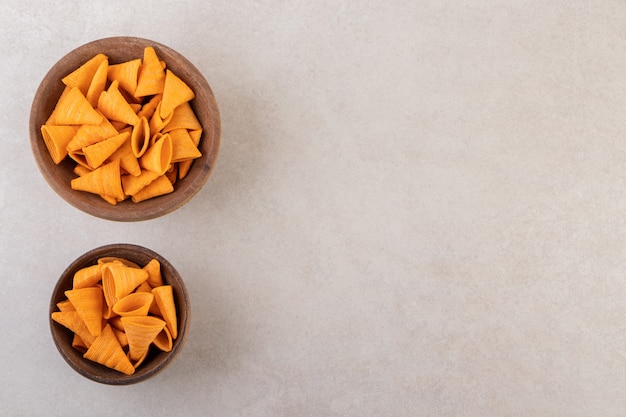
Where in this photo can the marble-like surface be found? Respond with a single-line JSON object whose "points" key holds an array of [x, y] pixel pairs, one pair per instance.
{"points": [[418, 210]]}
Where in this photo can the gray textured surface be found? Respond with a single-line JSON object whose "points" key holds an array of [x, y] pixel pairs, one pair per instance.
{"points": [[418, 210]]}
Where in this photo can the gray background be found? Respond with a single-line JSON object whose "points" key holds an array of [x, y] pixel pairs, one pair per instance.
{"points": [[418, 210]]}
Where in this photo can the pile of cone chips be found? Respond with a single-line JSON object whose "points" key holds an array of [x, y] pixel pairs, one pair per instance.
{"points": [[129, 127], [118, 311]]}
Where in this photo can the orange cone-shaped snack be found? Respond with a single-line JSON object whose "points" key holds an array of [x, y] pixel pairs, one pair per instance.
{"points": [[141, 331], [195, 136], [119, 280], [74, 109], [109, 199], [81, 170], [79, 158], [72, 321], [66, 305], [172, 173], [159, 156], [121, 337], [99, 152], [164, 297], [104, 180], [134, 304], [155, 278], [183, 147], [183, 168], [90, 134], [126, 74], [183, 118], [151, 75], [114, 106], [144, 287], [148, 109], [98, 83], [154, 308], [52, 119], [88, 303], [139, 361], [132, 184], [158, 187], [116, 260], [119, 125], [157, 123], [140, 137], [107, 312], [79, 344], [163, 340], [56, 139], [175, 93], [128, 161], [83, 75], [106, 350], [87, 277]]}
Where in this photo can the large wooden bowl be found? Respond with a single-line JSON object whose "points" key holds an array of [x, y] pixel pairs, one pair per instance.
{"points": [[157, 360], [120, 49]]}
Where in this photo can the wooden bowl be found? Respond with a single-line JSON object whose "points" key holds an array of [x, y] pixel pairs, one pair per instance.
{"points": [[157, 360], [120, 49]]}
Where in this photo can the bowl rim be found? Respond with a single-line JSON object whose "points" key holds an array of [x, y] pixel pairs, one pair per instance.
{"points": [[105, 375], [150, 209]]}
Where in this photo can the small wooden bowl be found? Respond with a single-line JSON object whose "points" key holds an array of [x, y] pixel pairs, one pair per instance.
{"points": [[156, 360], [120, 49]]}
